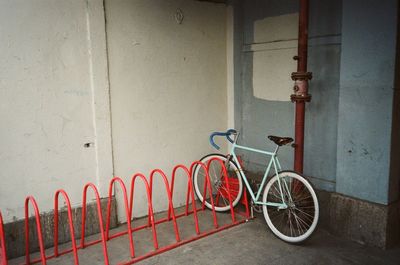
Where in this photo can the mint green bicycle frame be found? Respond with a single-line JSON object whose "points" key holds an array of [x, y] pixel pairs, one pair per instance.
{"points": [[273, 162]]}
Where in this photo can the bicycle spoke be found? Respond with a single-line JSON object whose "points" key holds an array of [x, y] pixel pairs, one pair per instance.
{"points": [[297, 222], [279, 198], [217, 199], [278, 192], [213, 169], [284, 222], [307, 207], [301, 220], [303, 199], [226, 201], [305, 225], [290, 223], [303, 212], [277, 213], [306, 218]]}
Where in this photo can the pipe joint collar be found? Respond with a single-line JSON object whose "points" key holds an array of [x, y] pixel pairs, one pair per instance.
{"points": [[301, 76], [300, 98]]}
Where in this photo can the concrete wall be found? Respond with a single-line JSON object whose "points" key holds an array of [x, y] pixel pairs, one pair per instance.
{"points": [[168, 91], [366, 99], [168, 87], [272, 112], [53, 100]]}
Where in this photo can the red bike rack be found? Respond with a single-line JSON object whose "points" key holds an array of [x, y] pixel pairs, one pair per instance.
{"points": [[74, 248], [3, 254], [129, 207], [123, 187], [170, 205], [100, 216]]}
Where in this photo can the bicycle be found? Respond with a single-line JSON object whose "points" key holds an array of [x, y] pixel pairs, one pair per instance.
{"points": [[289, 202]]}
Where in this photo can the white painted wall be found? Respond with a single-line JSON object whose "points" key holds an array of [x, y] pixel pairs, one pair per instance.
{"points": [[53, 100], [275, 44], [168, 86]]}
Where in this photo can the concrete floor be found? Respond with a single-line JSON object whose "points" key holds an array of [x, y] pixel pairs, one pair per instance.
{"points": [[250, 243]]}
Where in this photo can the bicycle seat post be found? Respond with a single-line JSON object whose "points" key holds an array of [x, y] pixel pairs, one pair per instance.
{"points": [[276, 149]]}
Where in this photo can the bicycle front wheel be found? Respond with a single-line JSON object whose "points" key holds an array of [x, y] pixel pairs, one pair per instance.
{"points": [[220, 189], [298, 221]]}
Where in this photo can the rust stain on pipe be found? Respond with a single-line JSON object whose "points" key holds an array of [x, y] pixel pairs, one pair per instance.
{"points": [[300, 78]]}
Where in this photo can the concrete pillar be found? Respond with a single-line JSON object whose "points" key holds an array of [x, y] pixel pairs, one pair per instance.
{"points": [[369, 30]]}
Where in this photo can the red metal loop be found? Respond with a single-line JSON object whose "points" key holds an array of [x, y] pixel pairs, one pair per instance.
{"points": [[38, 228], [105, 234], [100, 216], [190, 193], [207, 184], [3, 252], [170, 204], [128, 221], [225, 175], [149, 203], [71, 225]]}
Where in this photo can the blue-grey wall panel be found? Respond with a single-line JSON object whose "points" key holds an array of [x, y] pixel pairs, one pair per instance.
{"points": [[366, 96], [259, 117], [322, 115]]}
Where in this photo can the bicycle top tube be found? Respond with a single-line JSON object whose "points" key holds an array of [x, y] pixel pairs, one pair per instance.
{"points": [[236, 146]]}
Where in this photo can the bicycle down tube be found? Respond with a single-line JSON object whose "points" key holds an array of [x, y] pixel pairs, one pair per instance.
{"points": [[274, 161]]}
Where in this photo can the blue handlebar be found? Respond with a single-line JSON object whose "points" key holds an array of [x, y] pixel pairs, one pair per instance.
{"points": [[227, 134]]}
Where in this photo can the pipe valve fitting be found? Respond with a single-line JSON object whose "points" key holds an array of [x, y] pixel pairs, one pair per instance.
{"points": [[301, 86]]}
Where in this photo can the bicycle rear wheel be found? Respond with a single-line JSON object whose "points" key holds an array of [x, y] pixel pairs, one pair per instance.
{"points": [[218, 183], [298, 221]]}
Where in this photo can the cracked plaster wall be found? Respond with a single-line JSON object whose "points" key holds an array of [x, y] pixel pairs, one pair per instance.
{"points": [[53, 101], [168, 88], [168, 91]]}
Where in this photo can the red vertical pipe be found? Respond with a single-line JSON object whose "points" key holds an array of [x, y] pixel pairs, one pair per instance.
{"points": [[303, 36], [299, 136], [301, 77]]}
